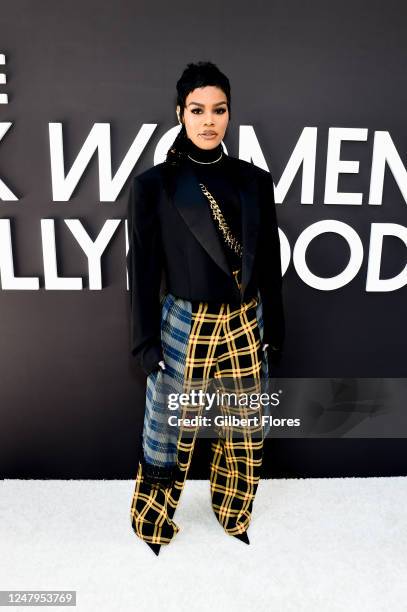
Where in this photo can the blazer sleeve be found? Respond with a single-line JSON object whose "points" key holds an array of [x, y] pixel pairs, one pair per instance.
{"points": [[270, 275], [144, 267]]}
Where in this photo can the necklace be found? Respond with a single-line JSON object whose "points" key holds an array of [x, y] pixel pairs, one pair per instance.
{"points": [[209, 162], [229, 238]]}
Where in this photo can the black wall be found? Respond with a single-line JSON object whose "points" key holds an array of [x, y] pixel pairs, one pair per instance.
{"points": [[71, 399]]}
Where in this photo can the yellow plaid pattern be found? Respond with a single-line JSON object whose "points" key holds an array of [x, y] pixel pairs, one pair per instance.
{"points": [[224, 345]]}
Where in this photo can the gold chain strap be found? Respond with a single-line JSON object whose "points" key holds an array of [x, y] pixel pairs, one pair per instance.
{"points": [[230, 239]]}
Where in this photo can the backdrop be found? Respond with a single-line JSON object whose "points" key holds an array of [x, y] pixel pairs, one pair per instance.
{"points": [[87, 99]]}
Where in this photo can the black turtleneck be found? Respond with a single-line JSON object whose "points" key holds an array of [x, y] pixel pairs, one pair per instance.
{"points": [[211, 169]]}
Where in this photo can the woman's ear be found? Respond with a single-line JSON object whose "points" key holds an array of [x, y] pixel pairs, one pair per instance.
{"points": [[178, 113]]}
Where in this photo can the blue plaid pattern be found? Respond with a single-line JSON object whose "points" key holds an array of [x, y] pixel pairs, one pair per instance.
{"points": [[265, 373], [159, 438]]}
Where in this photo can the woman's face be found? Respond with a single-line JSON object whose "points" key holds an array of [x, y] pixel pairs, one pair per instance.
{"points": [[206, 116]]}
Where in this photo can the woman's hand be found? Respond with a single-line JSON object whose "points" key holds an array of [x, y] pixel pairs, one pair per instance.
{"points": [[275, 354], [151, 357]]}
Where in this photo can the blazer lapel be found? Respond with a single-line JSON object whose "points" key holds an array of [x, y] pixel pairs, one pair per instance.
{"points": [[194, 207]]}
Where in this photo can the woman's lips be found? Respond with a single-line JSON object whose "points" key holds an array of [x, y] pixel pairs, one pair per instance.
{"points": [[208, 136]]}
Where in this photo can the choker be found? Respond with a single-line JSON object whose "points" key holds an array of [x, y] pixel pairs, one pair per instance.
{"points": [[203, 156], [208, 162]]}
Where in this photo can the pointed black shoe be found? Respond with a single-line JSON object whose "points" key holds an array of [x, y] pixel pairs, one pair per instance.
{"points": [[243, 536], [155, 548]]}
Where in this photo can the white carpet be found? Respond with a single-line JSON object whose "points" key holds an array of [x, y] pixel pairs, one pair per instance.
{"points": [[316, 544]]}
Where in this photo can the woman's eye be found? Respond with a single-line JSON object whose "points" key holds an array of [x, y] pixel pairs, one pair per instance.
{"points": [[219, 111]]}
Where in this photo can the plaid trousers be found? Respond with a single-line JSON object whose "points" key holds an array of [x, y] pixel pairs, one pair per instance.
{"points": [[203, 342]]}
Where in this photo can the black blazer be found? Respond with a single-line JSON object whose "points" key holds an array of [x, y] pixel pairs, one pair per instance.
{"points": [[175, 247]]}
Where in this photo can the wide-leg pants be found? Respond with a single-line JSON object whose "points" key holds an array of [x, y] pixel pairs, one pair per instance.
{"points": [[207, 342]]}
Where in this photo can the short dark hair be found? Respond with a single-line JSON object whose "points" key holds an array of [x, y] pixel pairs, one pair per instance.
{"points": [[201, 74]]}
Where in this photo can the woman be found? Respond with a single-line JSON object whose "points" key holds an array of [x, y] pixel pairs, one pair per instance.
{"points": [[203, 237]]}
